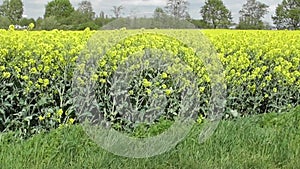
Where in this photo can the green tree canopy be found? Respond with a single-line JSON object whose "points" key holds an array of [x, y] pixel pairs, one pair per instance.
{"points": [[252, 13], [177, 8], [86, 8], [158, 12], [4, 22], [12, 9], [26, 21], [48, 23], [215, 13], [117, 10], [287, 15], [59, 9]]}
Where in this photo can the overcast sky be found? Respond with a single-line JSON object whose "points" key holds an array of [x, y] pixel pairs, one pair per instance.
{"points": [[36, 8]]}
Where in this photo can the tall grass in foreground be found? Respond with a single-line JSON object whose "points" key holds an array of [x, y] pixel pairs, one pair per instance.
{"points": [[262, 141]]}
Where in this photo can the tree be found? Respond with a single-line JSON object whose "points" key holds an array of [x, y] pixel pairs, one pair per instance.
{"points": [[76, 18], [49, 23], [215, 13], [177, 8], [102, 20], [26, 21], [200, 23], [188, 16], [59, 9], [12, 9], [252, 13], [267, 25], [117, 10], [287, 15], [158, 12], [102, 14], [84, 15], [86, 8], [4, 22], [38, 22]]}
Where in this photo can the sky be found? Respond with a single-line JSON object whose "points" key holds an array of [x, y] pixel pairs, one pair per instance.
{"points": [[36, 8]]}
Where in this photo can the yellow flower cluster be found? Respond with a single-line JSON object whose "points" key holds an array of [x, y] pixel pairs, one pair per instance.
{"points": [[38, 64], [254, 55], [262, 64]]}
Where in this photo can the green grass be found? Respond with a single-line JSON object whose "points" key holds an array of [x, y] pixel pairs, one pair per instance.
{"points": [[262, 141]]}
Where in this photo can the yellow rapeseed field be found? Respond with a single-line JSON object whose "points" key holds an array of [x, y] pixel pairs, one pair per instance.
{"points": [[262, 70]]}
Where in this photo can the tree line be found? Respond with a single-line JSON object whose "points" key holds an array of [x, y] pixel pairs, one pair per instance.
{"points": [[60, 14]]}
